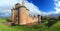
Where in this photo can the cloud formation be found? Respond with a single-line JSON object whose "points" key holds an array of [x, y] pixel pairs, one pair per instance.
{"points": [[57, 6], [5, 7]]}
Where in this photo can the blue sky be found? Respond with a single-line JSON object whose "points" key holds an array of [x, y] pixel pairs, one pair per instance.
{"points": [[42, 7]]}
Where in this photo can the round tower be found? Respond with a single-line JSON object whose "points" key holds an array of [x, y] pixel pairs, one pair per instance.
{"points": [[12, 15], [23, 14], [17, 6]]}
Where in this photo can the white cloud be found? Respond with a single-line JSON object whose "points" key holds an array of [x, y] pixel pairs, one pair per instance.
{"points": [[33, 9], [5, 11], [57, 6]]}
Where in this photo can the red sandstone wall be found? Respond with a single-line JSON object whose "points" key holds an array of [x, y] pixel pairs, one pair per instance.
{"points": [[33, 19], [23, 15], [12, 16], [25, 18]]}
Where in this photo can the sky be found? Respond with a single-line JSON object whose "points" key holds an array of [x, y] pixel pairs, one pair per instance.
{"points": [[41, 7]]}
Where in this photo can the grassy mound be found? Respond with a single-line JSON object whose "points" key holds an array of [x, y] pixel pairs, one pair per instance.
{"points": [[55, 27]]}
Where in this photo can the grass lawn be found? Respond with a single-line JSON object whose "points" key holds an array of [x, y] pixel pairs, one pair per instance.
{"points": [[39, 27], [2, 20], [55, 27]]}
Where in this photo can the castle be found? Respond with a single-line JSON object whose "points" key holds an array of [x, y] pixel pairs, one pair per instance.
{"points": [[21, 16]]}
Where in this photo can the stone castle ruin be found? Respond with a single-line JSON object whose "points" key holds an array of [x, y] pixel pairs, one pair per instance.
{"points": [[21, 15]]}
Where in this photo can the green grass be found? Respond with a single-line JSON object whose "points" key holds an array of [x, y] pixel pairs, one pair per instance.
{"points": [[5, 28], [2, 20], [55, 27], [38, 27]]}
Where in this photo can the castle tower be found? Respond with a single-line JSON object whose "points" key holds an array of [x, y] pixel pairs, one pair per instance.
{"points": [[17, 6], [12, 15], [23, 14]]}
